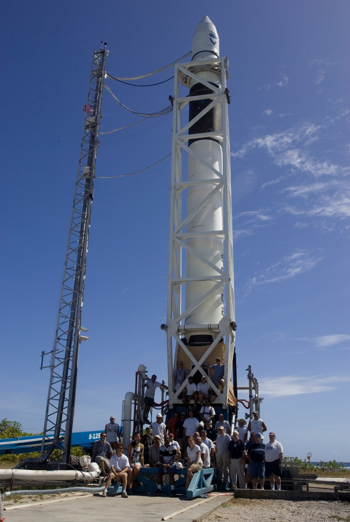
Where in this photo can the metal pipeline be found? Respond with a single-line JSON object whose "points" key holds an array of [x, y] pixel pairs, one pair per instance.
{"points": [[83, 489]]}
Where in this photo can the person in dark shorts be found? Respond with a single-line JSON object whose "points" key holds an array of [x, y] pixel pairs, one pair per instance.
{"points": [[273, 461], [256, 454]]}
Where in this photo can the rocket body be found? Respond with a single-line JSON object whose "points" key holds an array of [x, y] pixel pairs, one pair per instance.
{"points": [[205, 46]]}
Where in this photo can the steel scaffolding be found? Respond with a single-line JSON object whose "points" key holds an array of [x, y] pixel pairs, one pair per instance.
{"points": [[64, 361]]}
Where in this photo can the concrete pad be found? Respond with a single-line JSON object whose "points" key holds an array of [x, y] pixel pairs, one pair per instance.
{"points": [[134, 509]]}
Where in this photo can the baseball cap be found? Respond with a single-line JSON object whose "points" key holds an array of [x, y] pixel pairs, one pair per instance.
{"points": [[258, 435], [159, 415]]}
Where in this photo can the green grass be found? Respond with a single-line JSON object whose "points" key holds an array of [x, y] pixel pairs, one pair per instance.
{"points": [[336, 517]]}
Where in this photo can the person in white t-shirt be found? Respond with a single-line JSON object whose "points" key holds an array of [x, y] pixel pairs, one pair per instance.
{"points": [[205, 453], [209, 443], [119, 467], [274, 461], [190, 425], [242, 430], [191, 392], [257, 425], [207, 412], [159, 428], [203, 389], [151, 386], [194, 461]]}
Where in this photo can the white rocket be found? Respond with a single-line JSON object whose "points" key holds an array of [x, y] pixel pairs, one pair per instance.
{"points": [[205, 45], [200, 313]]}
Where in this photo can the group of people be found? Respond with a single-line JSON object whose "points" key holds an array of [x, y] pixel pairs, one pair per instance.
{"points": [[196, 442]]}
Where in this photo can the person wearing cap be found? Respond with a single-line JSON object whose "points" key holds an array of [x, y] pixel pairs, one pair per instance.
{"points": [[257, 425], [274, 461], [154, 452], [112, 432], [191, 392], [222, 442], [224, 423], [236, 459], [218, 373], [242, 431], [158, 427], [147, 441], [151, 386], [247, 445], [256, 455], [207, 411]]}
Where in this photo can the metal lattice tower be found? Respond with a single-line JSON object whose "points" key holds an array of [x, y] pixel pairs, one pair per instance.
{"points": [[220, 278], [64, 362]]}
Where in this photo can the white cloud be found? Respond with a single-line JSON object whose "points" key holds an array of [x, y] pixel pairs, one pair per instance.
{"points": [[289, 267], [282, 83], [296, 385], [268, 112], [335, 206], [257, 214], [325, 341], [321, 73]]}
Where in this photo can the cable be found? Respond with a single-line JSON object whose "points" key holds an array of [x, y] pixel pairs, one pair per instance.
{"points": [[135, 84], [133, 173], [162, 112], [150, 74], [125, 127]]}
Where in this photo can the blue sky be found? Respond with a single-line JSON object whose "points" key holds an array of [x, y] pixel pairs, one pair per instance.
{"points": [[290, 147]]}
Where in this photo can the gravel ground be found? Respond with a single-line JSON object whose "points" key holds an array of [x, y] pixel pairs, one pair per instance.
{"points": [[15, 500], [242, 510]]}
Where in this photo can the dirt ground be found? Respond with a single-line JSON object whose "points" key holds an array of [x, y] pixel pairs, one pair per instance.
{"points": [[244, 510]]}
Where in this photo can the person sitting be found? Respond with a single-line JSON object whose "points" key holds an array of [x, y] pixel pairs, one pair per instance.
{"points": [[136, 459], [101, 453], [154, 452], [119, 467], [191, 392], [194, 461], [168, 455], [204, 391], [218, 374]]}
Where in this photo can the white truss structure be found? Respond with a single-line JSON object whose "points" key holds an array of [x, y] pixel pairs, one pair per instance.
{"points": [[223, 277]]}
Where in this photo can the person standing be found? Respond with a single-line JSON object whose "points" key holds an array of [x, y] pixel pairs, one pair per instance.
{"points": [[222, 442], [224, 423], [179, 434], [171, 424], [274, 461], [236, 456], [207, 411], [147, 441], [112, 433], [242, 430], [257, 425], [256, 454], [151, 386], [159, 428], [179, 375], [190, 425]]}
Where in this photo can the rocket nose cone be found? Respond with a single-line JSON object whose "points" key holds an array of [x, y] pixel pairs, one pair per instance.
{"points": [[205, 39]]}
